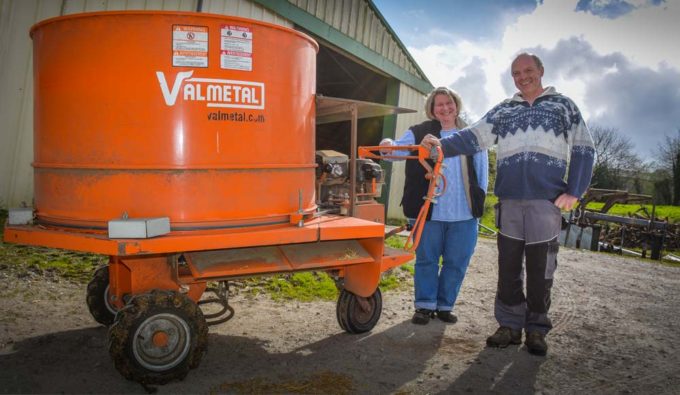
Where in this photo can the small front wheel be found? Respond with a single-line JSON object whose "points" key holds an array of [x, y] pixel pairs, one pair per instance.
{"points": [[158, 337], [98, 297], [357, 314]]}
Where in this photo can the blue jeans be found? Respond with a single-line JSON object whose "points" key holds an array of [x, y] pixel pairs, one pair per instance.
{"points": [[454, 242]]}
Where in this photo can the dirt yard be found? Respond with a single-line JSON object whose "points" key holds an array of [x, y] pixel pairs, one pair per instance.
{"points": [[617, 330]]}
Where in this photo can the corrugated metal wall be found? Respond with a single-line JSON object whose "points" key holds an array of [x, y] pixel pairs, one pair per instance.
{"points": [[16, 96], [76, 6], [409, 98], [245, 9], [356, 19], [16, 72]]}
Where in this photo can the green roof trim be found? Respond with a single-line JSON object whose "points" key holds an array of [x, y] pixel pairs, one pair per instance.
{"points": [[320, 28]]}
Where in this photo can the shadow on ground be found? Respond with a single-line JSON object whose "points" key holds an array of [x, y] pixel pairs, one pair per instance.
{"points": [[511, 370], [78, 362]]}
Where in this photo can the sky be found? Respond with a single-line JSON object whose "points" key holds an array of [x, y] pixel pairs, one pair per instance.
{"points": [[619, 60]]}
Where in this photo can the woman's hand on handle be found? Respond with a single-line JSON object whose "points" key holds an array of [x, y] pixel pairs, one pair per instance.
{"points": [[430, 141]]}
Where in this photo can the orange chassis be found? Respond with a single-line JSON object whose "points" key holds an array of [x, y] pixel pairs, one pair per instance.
{"points": [[352, 247], [151, 290]]}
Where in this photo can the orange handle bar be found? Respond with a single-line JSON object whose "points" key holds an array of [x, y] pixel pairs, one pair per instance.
{"points": [[435, 189], [370, 152]]}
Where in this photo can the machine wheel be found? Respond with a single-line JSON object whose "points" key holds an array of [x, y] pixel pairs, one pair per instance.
{"points": [[158, 337], [357, 314], [98, 297]]}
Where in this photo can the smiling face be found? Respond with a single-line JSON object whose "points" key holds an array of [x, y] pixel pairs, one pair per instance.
{"points": [[445, 110], [527, 76]]}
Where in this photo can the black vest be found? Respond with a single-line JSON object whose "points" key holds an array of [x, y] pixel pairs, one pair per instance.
{"points": [[415, 183]]}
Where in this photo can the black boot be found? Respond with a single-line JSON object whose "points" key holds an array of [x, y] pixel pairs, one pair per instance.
{"points": [[422, 316]]}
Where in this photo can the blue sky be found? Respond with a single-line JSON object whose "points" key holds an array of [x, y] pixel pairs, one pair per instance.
{"points": [[618, 59]]}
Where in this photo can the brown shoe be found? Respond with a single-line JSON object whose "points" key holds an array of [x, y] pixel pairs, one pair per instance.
{"points": [[503, 337], [447, 317], [536, 344]]}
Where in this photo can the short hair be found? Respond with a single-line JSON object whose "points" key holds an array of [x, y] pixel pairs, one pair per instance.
{"points": [[442, 90], [537, 60]]}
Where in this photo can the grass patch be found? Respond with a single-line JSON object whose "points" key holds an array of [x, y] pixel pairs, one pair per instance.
{"points": [[304, 286], [318, 285], [389, 281], [672, 213], [489, 217], [396, 242], [409, 268], [26, 261]]}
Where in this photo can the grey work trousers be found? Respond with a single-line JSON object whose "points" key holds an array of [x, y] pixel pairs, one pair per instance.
{"points": [[527, 229]]}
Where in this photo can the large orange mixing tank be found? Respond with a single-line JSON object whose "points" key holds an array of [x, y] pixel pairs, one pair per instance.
{"points": [[189, 116]]}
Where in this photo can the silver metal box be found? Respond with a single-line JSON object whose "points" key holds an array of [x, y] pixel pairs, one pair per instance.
{"points": [[138, 228], [20, 216]]}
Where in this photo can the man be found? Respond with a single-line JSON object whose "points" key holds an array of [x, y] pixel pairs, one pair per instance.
{"points": [[538, 133]]}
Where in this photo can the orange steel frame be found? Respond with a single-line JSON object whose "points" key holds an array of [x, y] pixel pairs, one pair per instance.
{"points": [[306, 243], [139, 265]]}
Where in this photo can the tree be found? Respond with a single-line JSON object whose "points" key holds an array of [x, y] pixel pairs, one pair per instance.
{"points": [[616, 162], [662, 189], [668, 162]]}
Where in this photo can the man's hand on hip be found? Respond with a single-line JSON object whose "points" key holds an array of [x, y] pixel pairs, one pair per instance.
{"points": [[565, 201]]}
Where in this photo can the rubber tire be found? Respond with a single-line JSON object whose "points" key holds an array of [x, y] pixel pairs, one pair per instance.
{"points": [[352, 318], [97, 290], [135, 313]]}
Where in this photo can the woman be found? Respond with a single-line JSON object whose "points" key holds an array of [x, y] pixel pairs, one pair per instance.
{"points": [[450, 231]]}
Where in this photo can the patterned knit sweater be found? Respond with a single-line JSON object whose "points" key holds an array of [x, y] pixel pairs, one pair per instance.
{"points": [[535, 146]]}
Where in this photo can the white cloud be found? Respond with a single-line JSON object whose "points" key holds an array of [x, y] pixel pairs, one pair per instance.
{"points": [[641, 103], [609, 67], [464, 62], [646, 35]]}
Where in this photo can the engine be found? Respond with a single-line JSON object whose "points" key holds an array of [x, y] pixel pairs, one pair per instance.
{"points": [[333, 182]]}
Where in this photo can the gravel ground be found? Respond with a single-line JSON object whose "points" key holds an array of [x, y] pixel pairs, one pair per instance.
{"points": [[616, 331]]}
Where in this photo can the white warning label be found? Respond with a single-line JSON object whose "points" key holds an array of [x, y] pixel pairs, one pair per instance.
{"points": [[190, 46], [236, 47]]}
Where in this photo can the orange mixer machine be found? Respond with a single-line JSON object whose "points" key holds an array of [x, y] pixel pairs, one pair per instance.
{"points": [[182, 146]]}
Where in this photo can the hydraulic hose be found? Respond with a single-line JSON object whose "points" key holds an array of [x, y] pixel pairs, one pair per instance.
{"points": [[435, 189]]}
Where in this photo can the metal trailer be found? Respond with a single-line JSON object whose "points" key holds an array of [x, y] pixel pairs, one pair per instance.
{"points": [[143, 167]]}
